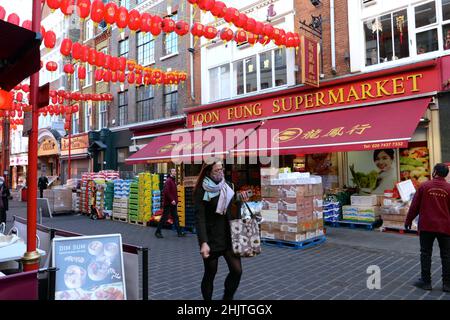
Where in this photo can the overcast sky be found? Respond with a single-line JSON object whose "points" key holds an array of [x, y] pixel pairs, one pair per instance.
{"points": [[21, 7]]}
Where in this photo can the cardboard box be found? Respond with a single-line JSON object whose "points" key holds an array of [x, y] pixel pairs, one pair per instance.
{"points": [[288, 217], [270, 226], [393, 217], [270, 203], [296, 237], [305, 190], [269, 191], [361, 213], [370, 200], [269, 215], [287, 204], [287, 191]]}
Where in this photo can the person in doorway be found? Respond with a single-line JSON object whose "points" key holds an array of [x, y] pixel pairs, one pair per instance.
{"points": [[170, 201], [384, 160], [214, 199], [42, 184], [432, 203], [4, 204]]}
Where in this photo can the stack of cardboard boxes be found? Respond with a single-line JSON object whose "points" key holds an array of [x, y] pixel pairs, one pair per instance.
{"points": [[133, 202], [120, 202], [393, 214], [145, 197], [362, 209], [291, 205]]}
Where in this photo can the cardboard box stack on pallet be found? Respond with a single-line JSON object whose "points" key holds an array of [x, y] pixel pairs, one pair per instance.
{"points": [[156, 194], [145, 197], [393, 214], [120, 202], [291, 205], [362, 209], [133, 202]]}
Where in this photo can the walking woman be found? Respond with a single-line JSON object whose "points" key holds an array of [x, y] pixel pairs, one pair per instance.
{"points": [[214, 198]]}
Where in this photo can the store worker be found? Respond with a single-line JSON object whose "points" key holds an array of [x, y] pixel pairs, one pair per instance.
{"points": [[214, 199], [4, 205], [170, 201], [384, 160], [432, 203], [42, 184]]}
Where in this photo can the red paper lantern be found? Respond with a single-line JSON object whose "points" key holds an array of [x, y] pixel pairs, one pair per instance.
{"points": [[50, 39], [52, 93], [75, 108], [168, 25], [210, 32], [121, 76], [259, 28], [296, 40], [76, 51], [97, 11], [146, 22], [14, 19], [26, 24], [81, 72], [276, 35], [84, 53], [226, 34], [20, 115], [26, 88], [131, 65], [268, 30], [231, 15], [66, 47], [263, 40], [206, 5], [51, 66], [251, 38], [290, 40], [122, 64], [54, 100], [107, 63], [138, 80], [131, 78], [6, 99], [84, 8], [193, 2], [122, 17], [67, 7], [155, 29], [181, 28], [251, 25], [69, 68], [109, 13], [114, 64], [2, 13], [219, 10], [242, 21], [19, 96], [99, 58], [92, 56], [240, 36], [107, 76], [281, 41], [54, 4], [67, 95], [114, 77], [134, 20], [98, 74], [197, 29]]}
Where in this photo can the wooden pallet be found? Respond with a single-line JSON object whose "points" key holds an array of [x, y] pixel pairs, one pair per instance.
{"points": [[119, 219], [398, 230], [139, 223], [294, 245], [354, 224]]}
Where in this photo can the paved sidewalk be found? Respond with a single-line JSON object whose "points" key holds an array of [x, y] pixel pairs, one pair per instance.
{"points": [[336, 269]]}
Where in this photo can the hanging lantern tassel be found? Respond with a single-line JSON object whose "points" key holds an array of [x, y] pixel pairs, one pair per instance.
{"points": [[195, 40]]}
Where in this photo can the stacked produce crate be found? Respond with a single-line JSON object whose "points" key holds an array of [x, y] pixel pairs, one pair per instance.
{"points": [[133, 202], [109, 197], [120, 202], [156, 194], [292, 206], [145, 197], [362, 209]]}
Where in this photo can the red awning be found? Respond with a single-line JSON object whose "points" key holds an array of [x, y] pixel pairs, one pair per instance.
{"points": [[191, 146], [389, 125]]}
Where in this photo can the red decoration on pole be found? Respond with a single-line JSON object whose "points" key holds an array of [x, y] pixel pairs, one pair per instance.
{"points": [[50, 39]]}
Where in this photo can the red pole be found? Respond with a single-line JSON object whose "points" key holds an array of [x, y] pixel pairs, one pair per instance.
{"points": [[70, 148], [31, 257]]}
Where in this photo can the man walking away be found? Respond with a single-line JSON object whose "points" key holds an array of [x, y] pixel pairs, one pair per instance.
{"points": [[5, 195], [42, 184], [170, 200], [432, 204]]}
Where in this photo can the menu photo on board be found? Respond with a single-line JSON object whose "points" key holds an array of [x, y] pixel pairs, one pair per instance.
{"points": [[89, 268]]}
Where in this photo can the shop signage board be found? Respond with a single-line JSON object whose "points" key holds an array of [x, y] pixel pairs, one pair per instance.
{"points": [[89, 268], [18, 160], [48, 147], [79, 144], [331, 95], [310, 61]]}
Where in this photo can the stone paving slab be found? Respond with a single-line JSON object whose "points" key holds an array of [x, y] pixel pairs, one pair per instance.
{"points": [[334, 270]]}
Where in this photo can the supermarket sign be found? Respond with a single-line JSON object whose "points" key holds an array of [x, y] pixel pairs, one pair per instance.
{"points": [[329, 96], [79, 144]]}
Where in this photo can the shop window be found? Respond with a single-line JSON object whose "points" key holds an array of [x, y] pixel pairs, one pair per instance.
{"points": [[251, 74], [123, 108], [76, 122], [280, 67], [122, 154], [145, 49], [170, 41], [88, 81], [75, 80], [170, 100], [87, 115], [265, 67], [124, 48], [144, 101], [125, 3], [88, 30], [445, 10], [219, 83], [386, 38], [238, 77], [425, 14], [103, 116], [426, 28]]}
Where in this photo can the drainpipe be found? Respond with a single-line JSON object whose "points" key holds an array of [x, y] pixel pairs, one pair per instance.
{"points": [[333, 45], [191, 50]]}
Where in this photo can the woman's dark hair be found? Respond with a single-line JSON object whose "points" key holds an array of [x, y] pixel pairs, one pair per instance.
{"points": [[389, 152], [206, 170], [441, 170]]}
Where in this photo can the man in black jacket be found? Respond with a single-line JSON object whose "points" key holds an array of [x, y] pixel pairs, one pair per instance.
{"points": [[42, 184], [170, 200], [5, 195]]}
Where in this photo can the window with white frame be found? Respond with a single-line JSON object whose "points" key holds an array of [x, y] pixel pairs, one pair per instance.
{"points": [[124, 48], [75, 122], [170, 100], [170, 41], [102, 115], [87, 115], [123, 108], [88, 30], [125, 3], [219, 82], [75, 80], [144, 102], [426, 23], [88, 80], [386, 37], [145, 48], [446, 24]]}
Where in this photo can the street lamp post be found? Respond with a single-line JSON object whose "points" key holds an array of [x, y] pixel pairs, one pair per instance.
{"points": [[31, 258]]}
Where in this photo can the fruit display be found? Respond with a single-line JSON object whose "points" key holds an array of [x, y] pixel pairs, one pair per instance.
{"points": [[415, 164]]}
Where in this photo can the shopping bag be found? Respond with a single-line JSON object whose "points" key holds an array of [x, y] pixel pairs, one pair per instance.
{"points": [[245, 235]]}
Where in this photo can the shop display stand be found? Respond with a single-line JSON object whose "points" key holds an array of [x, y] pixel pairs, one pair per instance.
{"points": [[294, 245], [355, 224]]}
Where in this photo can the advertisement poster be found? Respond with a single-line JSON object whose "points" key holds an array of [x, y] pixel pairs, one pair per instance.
{"points": [[326, 166], [89, 268], [373, 171], [415, 164]]}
